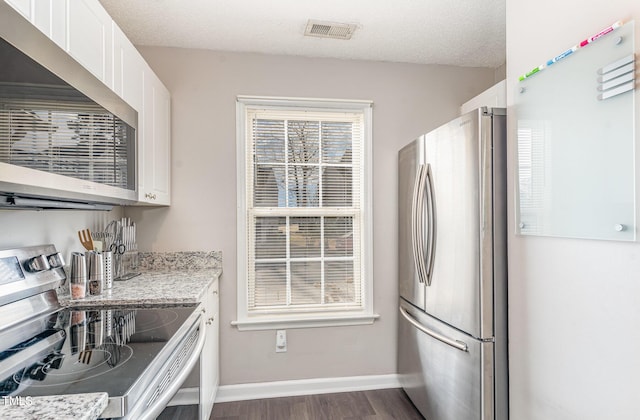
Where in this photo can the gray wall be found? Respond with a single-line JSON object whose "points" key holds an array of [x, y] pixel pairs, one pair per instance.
{"points": [[408, 100], [574, 305], [58, 227]]}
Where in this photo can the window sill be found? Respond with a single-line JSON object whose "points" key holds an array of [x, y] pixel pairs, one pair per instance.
{"points": [[274, 323]]}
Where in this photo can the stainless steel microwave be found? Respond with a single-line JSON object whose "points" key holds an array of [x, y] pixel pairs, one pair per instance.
{"points": [[64, 135]]}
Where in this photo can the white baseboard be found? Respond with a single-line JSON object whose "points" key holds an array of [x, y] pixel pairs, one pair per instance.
{"points": [[292, 388], [254, 391]]}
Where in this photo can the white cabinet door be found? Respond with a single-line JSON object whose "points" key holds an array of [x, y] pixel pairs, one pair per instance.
{"points": [[136, 83], [89, 37], [154, 147], [50, 16], [209, 360], [47, 15], [128, 71], [22, 6]]}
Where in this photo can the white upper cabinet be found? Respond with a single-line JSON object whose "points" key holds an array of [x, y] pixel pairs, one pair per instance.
{"points": [[494, 97], [85, 30], [128, 70], [89, 30], [50, 16], [154, 146], [22, 6], [137, 84]]}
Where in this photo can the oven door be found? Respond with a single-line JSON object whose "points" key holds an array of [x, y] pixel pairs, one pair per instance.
{"points": [[170, 377]]}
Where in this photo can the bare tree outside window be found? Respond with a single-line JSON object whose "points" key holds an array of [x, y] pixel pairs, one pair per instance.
{"points": [[303, 157], [303, 260]]}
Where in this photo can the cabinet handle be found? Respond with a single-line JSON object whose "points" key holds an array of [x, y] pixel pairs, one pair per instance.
{"points": [[209, 322], [150, 196], [215, 292]]}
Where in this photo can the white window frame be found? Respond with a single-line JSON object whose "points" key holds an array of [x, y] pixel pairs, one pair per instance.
{"points": [[297, 318]]}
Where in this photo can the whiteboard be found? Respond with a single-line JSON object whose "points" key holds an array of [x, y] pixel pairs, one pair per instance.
{"points": [[575, 144]]}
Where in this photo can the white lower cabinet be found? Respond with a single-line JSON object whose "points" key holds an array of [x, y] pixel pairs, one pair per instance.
{"points": [[209, 359]]}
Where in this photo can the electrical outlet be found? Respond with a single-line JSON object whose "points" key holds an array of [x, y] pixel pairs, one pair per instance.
{"points": [[281, 341]]}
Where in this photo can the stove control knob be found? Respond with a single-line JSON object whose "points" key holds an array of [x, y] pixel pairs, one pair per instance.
{"points": [[54, 360], [38, 371], [39, 263], [56, 260]]}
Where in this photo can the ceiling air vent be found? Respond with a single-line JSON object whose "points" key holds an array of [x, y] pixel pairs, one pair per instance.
{"points": [[329, 29]]}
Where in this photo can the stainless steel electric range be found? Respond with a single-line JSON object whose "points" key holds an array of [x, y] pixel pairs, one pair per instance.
{"points": [[139, 356]]}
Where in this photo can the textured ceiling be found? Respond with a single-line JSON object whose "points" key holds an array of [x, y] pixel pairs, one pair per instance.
{"points": [[455, 32]]}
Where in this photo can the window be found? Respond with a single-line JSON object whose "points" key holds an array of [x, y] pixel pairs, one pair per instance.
{"points": [[304, 220]]}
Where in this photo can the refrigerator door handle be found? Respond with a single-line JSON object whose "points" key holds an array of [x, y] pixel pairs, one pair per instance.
{"points": [[446, 340], [417, 233], [431, 224]]}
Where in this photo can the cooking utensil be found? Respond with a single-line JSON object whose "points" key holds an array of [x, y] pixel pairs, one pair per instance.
{"points": [[85, 239], [118, 248], [111, 232], [102, 236], [85, 356]]}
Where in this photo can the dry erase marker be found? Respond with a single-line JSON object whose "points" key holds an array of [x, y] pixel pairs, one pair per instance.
{"points": [[573, 49], [601, 33], [532, 72], [563, 55]]}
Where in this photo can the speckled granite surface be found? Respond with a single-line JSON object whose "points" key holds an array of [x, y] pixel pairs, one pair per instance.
{"points": [[180, 260], [151, 288], [68, 407], [167, 278]]}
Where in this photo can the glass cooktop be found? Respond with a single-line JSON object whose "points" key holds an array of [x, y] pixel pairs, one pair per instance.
{"points": [[97, 350]]}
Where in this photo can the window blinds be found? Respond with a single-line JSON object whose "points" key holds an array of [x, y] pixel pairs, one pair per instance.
{"points": [[304, 210], [75, 139]]}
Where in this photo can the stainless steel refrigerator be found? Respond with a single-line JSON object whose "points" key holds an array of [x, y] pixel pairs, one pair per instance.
{"points": [[452, 338]]}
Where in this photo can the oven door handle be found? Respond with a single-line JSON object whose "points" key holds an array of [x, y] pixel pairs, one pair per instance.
{"points": [[160, 404]]}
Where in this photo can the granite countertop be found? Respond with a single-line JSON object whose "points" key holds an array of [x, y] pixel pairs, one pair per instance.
{"points": [[151, 288], [168, 278], [68, 407]]}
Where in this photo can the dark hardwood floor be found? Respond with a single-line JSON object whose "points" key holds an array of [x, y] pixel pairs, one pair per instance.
{"points": [[365, 405]]}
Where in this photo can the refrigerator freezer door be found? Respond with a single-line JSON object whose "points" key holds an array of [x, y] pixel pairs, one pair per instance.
{"points": [[460, 293], [410, 159], [444, 381]]}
